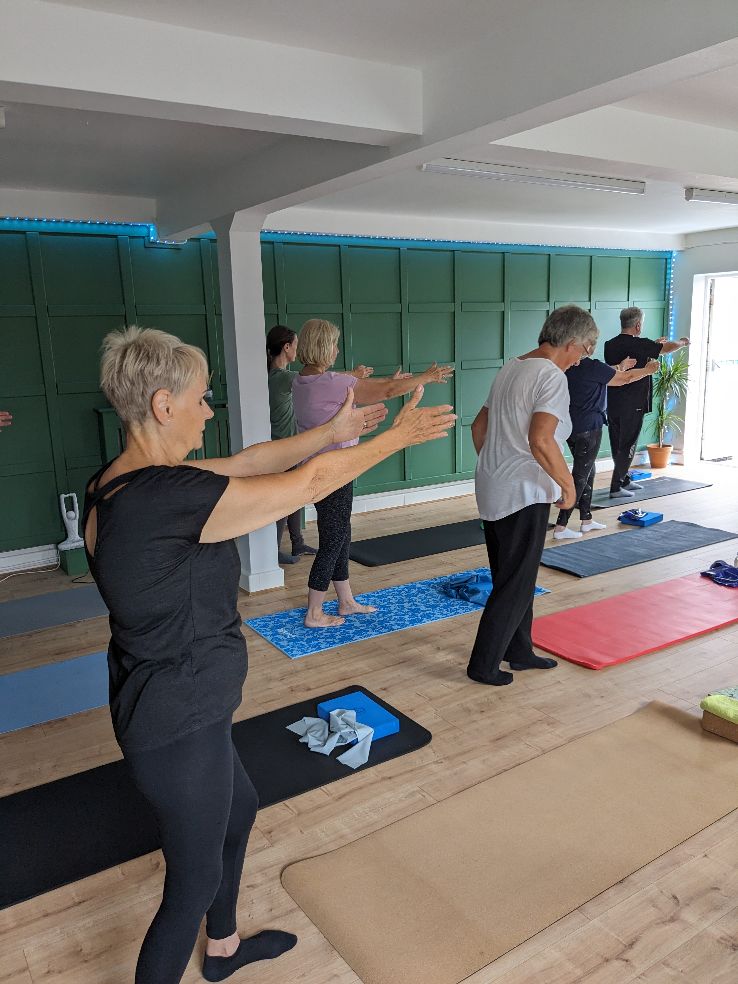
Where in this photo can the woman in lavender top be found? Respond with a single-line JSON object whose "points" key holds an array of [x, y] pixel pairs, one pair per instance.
{"points": [[316, 394]]}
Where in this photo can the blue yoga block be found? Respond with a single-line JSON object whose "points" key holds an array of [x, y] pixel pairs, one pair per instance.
{"points": [[635, 475], [648, 520], [368, 712]]}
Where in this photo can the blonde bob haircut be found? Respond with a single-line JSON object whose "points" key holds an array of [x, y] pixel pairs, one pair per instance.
{"points": [[315, 343], [136, 362]]}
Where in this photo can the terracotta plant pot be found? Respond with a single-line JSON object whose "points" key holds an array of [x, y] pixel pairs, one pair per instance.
{"points": [[658, 455]]}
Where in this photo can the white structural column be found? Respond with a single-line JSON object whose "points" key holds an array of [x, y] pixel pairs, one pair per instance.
{"points": [[239, 264]]}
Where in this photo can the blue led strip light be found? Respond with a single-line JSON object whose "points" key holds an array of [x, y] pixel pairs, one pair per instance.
{"points": [[19, 223]]}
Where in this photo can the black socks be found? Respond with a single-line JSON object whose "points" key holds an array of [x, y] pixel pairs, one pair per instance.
{"points": [[534, 662], [267, 945], [500, 679]]}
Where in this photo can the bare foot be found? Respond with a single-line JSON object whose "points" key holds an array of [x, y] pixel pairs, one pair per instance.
{"points": [[354, 608], [318, 619]]}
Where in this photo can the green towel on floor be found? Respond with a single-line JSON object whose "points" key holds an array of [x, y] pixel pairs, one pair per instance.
{"points": [[723, 703]]}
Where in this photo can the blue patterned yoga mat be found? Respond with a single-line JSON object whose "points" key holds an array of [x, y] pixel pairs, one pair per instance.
{"points": [[401, 607]]}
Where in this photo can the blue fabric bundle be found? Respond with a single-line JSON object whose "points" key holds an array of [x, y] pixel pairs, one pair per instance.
{"points": [[472, 587], [723, 573]]}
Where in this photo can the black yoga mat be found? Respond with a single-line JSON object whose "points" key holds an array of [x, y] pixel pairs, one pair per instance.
{"points": [[633, 546], [653, 488], [417, 543], [46, 611], [74, 827]]}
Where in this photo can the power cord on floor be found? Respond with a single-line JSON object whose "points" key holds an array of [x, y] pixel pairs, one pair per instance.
{"points": [[34, 570]]}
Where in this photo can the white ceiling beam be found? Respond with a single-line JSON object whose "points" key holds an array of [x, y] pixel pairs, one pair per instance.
{"points": [[278, 174], [613, 133], [68, 56]]}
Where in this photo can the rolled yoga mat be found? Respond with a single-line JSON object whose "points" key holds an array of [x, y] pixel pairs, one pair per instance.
{"points": [[417, 543], [584, 558], [434, 897], [653, 488], [628, 625], [65, 830], [46, 611]]}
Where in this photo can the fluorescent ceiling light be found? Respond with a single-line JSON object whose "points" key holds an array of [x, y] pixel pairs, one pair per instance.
{"points": [[526, 175], [710, 195]]}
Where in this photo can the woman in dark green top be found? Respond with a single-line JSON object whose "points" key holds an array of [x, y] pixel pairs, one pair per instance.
{"points": [[281, 347]]}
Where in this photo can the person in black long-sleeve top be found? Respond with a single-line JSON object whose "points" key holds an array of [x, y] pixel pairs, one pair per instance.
{"points": [[159, 537], [627, 407]]}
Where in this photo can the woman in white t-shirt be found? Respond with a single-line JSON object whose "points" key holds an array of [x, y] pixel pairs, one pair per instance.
{"points": [[519, 436]]}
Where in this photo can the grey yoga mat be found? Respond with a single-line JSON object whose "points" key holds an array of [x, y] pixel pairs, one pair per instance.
{"points": [[584, 558], [49, 610], [653, 488]]}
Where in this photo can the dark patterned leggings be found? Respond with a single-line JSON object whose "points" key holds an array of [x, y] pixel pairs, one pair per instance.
{"points": [[334, 538]]}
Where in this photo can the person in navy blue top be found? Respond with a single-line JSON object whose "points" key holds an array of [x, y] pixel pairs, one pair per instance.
{"points": [[589, 381], [159, 533]]}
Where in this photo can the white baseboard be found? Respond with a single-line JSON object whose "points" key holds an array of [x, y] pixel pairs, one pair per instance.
{"points": [[22, 560], [404, 497], [262, 581]]}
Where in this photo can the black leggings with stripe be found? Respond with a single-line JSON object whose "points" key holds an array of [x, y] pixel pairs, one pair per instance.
{"points": [[205, 806], [334, 538]]}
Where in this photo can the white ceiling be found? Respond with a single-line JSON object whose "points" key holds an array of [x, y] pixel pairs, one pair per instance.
{"points": [[710, 99], [411, 33], [115, 154]]}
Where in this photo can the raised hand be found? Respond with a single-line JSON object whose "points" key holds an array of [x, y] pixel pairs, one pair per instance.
{"points": [[351, 422], [6, 418], [627, 364], [420, 424], [361, 372], [438, 374], [399, 374], [652, 366]]}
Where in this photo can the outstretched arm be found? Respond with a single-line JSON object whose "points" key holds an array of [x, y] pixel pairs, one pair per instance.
{"points": [[273, 457], [388, 387], [632, 375], [250, 503]]}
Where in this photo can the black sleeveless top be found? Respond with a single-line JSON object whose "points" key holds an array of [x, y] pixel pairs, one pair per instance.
{"points": [[177, 659]]}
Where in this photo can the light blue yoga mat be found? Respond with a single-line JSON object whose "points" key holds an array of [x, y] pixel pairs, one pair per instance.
{"points": [[402, 607], [46, 693]]}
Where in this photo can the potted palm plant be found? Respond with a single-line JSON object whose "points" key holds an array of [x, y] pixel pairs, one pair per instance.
{"points": [[669, 390]]}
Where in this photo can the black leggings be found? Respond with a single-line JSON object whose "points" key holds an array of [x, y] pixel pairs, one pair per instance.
{"points": [[293, 524], [205, 806], [584, 448], [334, 539]]}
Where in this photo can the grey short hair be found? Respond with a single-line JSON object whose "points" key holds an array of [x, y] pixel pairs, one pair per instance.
{"points": [[568, 324], [630, 317], [136, 362]]}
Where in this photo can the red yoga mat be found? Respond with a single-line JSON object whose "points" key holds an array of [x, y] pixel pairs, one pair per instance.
{"points": [[629, 625]]}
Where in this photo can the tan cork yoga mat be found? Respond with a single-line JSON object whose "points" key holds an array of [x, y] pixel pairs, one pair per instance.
{"points": [[438, 895]]}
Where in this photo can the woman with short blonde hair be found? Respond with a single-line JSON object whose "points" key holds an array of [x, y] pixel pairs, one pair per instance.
{"points": [[159, 538], [317, 392]]}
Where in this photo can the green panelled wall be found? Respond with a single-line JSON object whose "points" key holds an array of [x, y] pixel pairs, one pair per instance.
{"points": [[408, 305], [396, 305], [59, 295]]}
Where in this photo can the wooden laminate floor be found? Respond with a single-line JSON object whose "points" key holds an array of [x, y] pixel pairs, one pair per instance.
{"points": [[675, 920]]}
